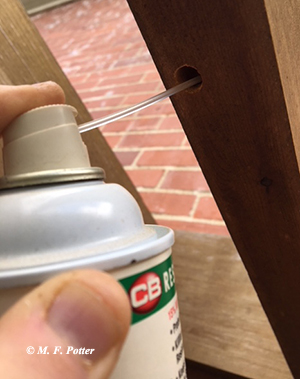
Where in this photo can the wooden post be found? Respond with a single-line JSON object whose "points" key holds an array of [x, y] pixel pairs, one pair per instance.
{"points": [[25, 59], [240, 126], [223, 323]]}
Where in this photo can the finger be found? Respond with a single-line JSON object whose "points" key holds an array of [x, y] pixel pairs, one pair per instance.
{"points": [[15, 100], [82, 309]]}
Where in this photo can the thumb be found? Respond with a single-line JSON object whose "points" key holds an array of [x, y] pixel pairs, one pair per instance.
{"points": [[80, 317], [15, 100]]}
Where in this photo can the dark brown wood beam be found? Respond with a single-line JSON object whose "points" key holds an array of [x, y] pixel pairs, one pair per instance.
{"points": [[240, 125]]}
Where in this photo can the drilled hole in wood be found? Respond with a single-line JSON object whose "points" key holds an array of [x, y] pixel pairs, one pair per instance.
{"points": [[184, 73]]}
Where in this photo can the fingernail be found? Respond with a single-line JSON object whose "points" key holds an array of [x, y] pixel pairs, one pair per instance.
{"points": [[83, 320]]}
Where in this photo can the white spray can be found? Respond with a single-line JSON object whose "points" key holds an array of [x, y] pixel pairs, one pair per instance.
{"points": [[57, 214]]}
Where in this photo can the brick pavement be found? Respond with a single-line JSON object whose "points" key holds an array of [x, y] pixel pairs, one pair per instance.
{"points": [[100, 49]]}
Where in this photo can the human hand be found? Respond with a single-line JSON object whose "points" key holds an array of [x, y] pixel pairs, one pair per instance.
{"points": [[81, 309], [15, 100]]}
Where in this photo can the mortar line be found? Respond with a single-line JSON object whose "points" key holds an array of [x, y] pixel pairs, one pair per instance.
{"points": [[162, 179], [154, 148], [172, 191], [170, 168], [143, 132], [187, 219], [134, 163], [195, 206]]}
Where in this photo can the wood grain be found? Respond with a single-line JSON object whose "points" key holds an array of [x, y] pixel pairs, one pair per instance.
{"points": [[25, 59], [196, 370], [240, 128], [224, 325], [34, 6], [284, 19]]}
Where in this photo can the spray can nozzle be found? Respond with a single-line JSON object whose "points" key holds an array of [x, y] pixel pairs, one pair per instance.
{"points": [[44, 146]]}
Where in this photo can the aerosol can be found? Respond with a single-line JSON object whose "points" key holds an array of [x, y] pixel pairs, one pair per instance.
{"points": [[57, 214]]}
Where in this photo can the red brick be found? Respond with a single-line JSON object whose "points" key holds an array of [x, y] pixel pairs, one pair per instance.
{"points": [[85, 86], [118, 126], [152, 76], [185, 180], [71, 70], [168, 158], [162, 109], [207, 209], [169, 203], [197, 227], [121, 80], [152, 140], [124, 38], [96, 92], [126, 157], [145, 88], [95, 76], [105, 102], [133, 61], [136, 99], [91, 66], [171, 122], [142, 68], [99, 113], [76, 79], [113, 140], [186, 142], [145, 178], [134, 88], [150, 123], [114, 74], [168, 110], [133, 52]]}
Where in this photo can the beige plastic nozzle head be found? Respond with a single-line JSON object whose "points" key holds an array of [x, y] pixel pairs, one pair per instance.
{"points": [[44, 145]]}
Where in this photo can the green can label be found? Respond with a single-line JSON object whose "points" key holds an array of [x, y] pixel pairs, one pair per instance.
{"points": [[154, 345], [150, 290]]}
